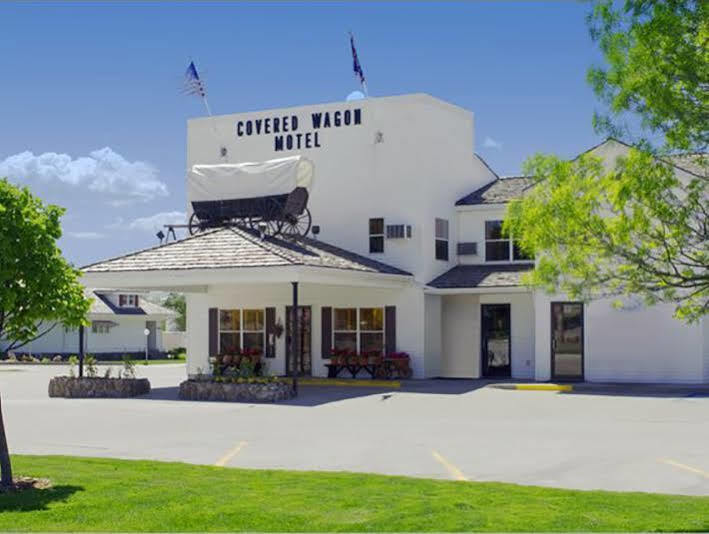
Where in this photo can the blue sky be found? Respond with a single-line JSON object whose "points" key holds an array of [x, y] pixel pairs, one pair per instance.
{"points": [[92, 118]]}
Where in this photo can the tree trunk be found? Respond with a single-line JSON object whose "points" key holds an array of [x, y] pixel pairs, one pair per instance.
{"points": [[5, 465]]}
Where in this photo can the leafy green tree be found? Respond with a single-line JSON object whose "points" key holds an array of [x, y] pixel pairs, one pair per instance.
{"points": [[637, 225], [38, 286], [177, 303]]}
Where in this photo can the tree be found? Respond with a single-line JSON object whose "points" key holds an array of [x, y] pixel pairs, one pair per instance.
{"points": [[177, 303], [37, 285], [637, 225]]}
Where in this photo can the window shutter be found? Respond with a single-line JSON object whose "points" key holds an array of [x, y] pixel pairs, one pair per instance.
{"points": [[213, 331], [390, 329], [326, 332], [270, 332]]}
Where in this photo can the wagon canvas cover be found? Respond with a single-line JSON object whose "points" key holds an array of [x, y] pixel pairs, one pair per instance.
{"points": [[249, 180]]}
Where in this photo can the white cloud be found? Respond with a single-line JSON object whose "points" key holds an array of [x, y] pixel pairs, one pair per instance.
{"points": [[86, 235], [102, 171], [489, 142], [153, 223]]}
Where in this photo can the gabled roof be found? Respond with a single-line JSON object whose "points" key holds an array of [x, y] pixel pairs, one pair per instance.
{"points": [[101, 305], [471, 276], [498, 191], [237, 247]]}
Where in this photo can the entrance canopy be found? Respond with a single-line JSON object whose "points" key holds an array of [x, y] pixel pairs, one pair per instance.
{"points": [[240, 256]]}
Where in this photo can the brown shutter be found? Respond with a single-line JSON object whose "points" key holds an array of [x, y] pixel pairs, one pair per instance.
{"points": [[213, 331], [326, 332], [270, 332], [390, 329]]}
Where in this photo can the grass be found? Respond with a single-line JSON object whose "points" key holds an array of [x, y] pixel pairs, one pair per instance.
{"points": [[93, 494]]}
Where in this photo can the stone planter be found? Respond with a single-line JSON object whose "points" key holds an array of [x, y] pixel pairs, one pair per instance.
{"points": [[218, 391], [85, 388]]}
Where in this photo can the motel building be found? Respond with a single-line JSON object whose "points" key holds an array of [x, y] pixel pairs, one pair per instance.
{"points": [[404, 252]]}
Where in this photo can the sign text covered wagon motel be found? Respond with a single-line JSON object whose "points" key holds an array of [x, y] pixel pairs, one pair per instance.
{"points": [[286, 129]]}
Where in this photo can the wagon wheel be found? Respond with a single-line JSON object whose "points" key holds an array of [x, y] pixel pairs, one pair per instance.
{"points": [[194, 225], [297, 225], [270, 215]]}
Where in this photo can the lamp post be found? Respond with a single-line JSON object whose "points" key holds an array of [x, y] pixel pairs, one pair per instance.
{"points": [[147, 333]]}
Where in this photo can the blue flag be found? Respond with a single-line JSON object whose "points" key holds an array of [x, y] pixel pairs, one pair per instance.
{"points": [[355, 62]]}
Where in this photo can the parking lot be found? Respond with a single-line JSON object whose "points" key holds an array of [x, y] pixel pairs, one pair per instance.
{"points": [[435, 429]]}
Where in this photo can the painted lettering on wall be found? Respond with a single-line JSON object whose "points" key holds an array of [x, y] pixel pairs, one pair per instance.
{"points": [[286, 129]]}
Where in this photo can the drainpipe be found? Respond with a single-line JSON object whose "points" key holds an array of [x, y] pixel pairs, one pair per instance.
{"points": [[295, 331]]}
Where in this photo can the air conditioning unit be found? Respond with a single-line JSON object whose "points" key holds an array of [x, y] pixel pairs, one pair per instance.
{"points": [[399, 231], [467, 249]]}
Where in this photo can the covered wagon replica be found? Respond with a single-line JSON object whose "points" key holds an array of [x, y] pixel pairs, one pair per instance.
{"points": [[270, 196]]}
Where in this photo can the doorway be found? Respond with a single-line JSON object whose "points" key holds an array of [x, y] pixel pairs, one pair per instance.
{"points": [[495, 352], [304, 365], [567, 330]]}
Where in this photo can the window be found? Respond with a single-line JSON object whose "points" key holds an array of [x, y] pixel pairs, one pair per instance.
{"points": [[376, 235], [499, 247], [99, 328], [241, 330], [345, 329], [442, 239], [129, 301], [371, 329], [358, 330]]}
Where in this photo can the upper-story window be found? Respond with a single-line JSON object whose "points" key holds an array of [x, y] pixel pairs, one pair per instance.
{"points": [[499, 247], [442, 239], [376, 235], [129, 301]]}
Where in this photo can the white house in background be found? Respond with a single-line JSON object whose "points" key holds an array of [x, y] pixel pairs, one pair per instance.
{"points": [[408, 256], [118, 323]]}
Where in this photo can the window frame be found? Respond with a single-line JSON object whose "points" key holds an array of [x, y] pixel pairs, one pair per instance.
{"points": [[379, 237], [440, 239], [511, 256], [241, 331], [358, 327]]}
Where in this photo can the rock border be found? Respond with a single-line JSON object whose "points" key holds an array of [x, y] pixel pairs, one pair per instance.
{"points": [[203, 390], [91, 388]]}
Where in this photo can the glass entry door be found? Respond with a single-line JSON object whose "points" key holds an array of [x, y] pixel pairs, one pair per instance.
{"points": [[495, 336], [304, 364], [567, 340]]}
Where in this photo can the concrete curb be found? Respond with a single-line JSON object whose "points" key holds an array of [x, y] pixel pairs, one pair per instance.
{"points": [[683, 390], [355, 382], [533, 387]]}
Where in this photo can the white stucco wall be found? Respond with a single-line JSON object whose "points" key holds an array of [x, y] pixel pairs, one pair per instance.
{"points": [[127, 336], [422, 166], [460, 336], [632, 345], [461, 333], [409, 304]]}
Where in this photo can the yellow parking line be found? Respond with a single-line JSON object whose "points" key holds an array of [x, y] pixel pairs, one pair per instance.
{"points": [[228, 456], [456, 473], [685, 467]]}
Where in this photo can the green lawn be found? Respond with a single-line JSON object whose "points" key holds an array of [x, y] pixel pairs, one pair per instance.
{"points": [[101, 494]]}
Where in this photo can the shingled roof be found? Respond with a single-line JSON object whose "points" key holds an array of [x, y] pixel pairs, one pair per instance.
{"points": [[101, 305], [238, 248], [470, 276], [498, 191]]}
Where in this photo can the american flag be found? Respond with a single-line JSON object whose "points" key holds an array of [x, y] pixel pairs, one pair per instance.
{"points": [[193, 83], [355, 63]]}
